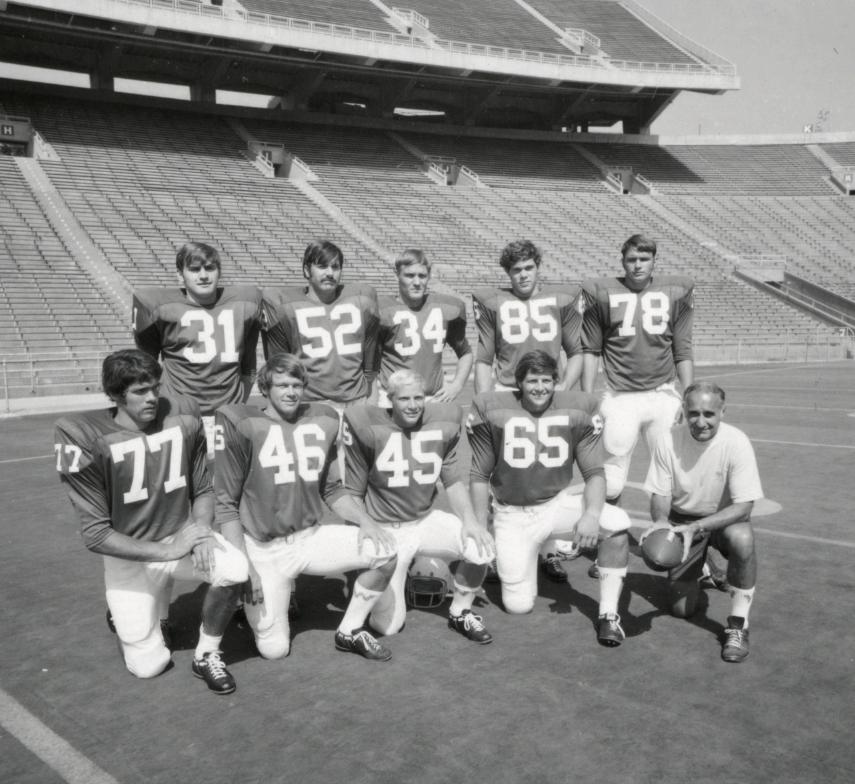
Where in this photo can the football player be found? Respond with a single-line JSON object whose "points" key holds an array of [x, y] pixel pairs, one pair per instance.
{"points": [[137, 476], [525, 317], [273, 468], [204, 334], [641, 326], [394, 458], [331, 327], [703, 482], [523, 447], [414, 328]]}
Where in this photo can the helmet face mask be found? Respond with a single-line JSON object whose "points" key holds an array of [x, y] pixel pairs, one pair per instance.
{"points": [[429, 582]]}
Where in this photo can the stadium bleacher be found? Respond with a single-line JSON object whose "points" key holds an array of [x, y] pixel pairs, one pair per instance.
{"points": [[623, 36], [142, 180], [352, 13]]}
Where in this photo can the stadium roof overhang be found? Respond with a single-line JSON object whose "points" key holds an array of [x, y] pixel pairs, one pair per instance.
{"points": [[318, 67]]}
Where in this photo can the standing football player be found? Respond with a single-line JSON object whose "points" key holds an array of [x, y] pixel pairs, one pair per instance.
{"points": [[273, 468], [523, 447], [137, 476], [414, 328], [703, 481], [525, 317], [331, 327], [204, 334], [641, 326], [394, 458]]}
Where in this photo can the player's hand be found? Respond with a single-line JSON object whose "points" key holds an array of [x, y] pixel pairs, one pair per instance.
{"points": [[188, 538], [382, 541], [688, 532], [252, 593], [484, 543], [587, 531], [653, 527], [447, 394], [204, 554]]}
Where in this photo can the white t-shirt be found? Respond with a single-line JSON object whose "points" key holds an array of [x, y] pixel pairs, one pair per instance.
{"points": [[703, 477]]}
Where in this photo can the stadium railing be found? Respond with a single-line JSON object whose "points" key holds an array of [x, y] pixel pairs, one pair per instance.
{"points": [[56, 374], [455, 47]]}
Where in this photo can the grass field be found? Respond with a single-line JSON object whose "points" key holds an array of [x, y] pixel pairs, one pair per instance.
{"points": [[543, 703]]}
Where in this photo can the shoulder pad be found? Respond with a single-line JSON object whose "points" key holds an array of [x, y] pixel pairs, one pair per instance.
{"points": [[243, 293], [442, 412], [152, 296]]}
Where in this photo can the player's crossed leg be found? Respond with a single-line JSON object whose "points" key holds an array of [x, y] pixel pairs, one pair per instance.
{"points": [[520, 532], [438, 534], [138, 596], [320, 550]]}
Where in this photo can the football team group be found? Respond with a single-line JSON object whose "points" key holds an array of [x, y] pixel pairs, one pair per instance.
{"points": [[182, 479]]}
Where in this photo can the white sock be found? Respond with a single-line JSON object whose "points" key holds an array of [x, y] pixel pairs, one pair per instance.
{"points": [[611, 584], [361, 603], [740, 602], [207, 643], [462, 599]]}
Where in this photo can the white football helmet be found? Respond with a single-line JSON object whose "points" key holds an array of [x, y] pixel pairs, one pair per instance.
{"points": [[429, 582]]}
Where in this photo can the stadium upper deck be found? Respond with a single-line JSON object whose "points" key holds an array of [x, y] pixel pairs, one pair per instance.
{"points": [[489, 62]]}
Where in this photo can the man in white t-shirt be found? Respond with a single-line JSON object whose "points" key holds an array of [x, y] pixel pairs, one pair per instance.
{"points": [[703, 481]]}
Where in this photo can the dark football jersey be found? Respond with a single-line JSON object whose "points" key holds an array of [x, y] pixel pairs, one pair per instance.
{"points": [[204, 349], [640, 335], [396, 470], [509, 327], [139, 483], [528, 459], [413, 339], [273, 475], [337, 342]]}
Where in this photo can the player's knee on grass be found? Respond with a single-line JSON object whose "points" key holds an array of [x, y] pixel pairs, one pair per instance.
{"points": [[388, 620], [273, 643], [146, 658], [517, 598]]}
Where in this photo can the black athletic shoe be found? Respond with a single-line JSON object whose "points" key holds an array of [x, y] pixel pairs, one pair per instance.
{"points": [[364, 643], [470, 626], [734, 648], [212, 669], [552, 568], [609, 631]]}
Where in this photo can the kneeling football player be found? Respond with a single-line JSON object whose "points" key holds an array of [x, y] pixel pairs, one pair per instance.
{"points": [[273, 468], [394, 458], [137, 476], [523, 447], [703, 480]]}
